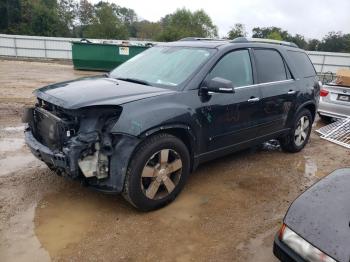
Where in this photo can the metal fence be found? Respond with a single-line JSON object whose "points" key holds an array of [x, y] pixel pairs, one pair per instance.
{"points": [[36, 47], [329, 62], [61, 48]]}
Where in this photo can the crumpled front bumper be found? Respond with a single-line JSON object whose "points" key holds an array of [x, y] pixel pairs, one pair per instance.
{"points": [[67, 161], [42, 152]]}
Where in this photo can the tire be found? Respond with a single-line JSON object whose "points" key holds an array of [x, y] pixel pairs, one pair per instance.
{"points": [[299, 135], [325, 119], [157, 172]]}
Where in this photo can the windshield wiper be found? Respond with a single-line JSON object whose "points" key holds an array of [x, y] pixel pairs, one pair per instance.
{"points": [[135, 80]]}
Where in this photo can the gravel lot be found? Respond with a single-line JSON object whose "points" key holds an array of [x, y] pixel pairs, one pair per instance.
{"points": [[229, 210]]}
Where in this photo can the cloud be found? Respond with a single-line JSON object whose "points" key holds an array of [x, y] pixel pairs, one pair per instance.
{"points": [[311, 18]]}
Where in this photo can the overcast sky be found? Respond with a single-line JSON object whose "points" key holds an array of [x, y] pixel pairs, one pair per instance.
{"points": [[311, 18]]}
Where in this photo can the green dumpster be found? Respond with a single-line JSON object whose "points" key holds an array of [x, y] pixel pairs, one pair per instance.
{"points": [[103, 57]]}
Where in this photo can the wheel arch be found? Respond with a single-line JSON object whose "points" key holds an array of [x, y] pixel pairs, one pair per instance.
{"points": [[311, 106], [182, 132]]}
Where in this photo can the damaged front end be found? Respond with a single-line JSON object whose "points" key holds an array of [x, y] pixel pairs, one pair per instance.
{"points": [[79, 143]]}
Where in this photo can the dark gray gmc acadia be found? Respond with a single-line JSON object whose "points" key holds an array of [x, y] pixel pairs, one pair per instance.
{"points": [[141, 129]]}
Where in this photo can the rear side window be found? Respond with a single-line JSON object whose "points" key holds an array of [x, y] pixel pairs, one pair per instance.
{"points": [[270, 66], [234, 66], [302, 62]]}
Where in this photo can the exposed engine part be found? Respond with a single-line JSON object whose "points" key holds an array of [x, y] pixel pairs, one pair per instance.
{"points": [[95, 165]]}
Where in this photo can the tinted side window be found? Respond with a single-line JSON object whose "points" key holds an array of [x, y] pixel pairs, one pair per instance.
{"points": [[302, 62], [234, 66], [270, 66]]}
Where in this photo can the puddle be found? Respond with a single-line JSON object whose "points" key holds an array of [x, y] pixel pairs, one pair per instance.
{"points": [[260, 247], [184, 209], [19, 243], [61, 220], [19, 162], [11, 144], [310, 167]]}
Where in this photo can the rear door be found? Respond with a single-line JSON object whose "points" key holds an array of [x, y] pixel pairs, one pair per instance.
{"points": [[278, 89]]}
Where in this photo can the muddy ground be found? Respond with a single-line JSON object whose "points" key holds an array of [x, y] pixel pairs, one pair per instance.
{"points": [[229, 210]]}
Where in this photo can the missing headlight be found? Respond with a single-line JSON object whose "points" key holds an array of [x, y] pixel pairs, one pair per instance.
{"points": [[96, 165]]}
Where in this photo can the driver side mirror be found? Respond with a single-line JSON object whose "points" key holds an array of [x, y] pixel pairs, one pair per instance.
{"points": [[218, 85]]}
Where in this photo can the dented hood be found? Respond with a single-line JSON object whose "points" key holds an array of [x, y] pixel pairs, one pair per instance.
{"points": [[93, 91], [321, 215]]}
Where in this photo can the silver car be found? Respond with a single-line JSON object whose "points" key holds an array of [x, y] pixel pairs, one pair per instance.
{"points": [[334, 101]]}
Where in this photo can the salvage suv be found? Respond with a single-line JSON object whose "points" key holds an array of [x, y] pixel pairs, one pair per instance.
{"points": [[141, 129]]}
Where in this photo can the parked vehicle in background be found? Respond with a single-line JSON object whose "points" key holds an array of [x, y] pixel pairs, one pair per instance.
{"points": [[144, 127], [316, 226], [335, 97]]}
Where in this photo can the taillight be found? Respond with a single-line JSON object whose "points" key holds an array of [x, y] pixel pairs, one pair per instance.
{"points": [[324, 92]]}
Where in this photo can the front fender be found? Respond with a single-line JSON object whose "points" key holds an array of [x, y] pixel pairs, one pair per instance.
{"points": [[140, 118]]}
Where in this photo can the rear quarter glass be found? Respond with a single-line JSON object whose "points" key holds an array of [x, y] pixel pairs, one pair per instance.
{"points": [[302, 63]]}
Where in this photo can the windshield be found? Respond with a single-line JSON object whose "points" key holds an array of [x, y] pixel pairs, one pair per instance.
{"points": [[162, 66]]}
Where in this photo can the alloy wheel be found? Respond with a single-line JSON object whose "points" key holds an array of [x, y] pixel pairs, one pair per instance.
{"points": [[161, 174], [302, 130]]}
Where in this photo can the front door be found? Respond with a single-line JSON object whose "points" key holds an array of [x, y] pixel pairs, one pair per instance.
{"points": [[230, 119]]}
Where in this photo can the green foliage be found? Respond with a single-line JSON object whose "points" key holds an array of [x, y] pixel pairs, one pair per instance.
{"points": [[335, 42], [80, 18], [146, 30], [270, 33], [299, 40], [184, 23], [274, 35], [105, 23], [237, 31]]}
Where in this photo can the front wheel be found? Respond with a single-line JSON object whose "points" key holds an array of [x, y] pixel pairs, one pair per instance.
{"points": [[300, 133], [157, 172]]}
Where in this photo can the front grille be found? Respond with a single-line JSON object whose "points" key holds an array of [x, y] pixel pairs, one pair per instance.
{"points": [[50, 130]]}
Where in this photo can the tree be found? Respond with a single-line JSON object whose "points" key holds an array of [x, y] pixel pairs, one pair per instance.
{"points": [[127, 17], [277, 33], [270, 33], [67, 13], [335, 42], [45, 20], [299, 40], [10, 13], [85, 12], [106, 24], [85, 15], [146, 30], [237, 31], [313, 45], [183, 23]]}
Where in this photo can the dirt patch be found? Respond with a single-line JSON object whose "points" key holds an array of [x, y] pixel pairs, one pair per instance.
{"points": [[229, 210]]}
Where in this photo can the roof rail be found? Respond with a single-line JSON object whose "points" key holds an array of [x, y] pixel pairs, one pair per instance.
{"points": [[201, 39], [263, 40]]}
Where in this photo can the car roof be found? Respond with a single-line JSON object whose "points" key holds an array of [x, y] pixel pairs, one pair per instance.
{"points": [[194, 43], [241, 42]]}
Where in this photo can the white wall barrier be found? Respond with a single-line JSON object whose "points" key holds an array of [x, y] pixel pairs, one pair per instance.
{"points": [[61, 48]]}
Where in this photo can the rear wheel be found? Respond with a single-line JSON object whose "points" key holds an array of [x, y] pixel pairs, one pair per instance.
{"points": [[157, 172], [300, 133]]}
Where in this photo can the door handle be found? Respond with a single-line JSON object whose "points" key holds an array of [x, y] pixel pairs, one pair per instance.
{"points": [[291, 92], [253, 99]]}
